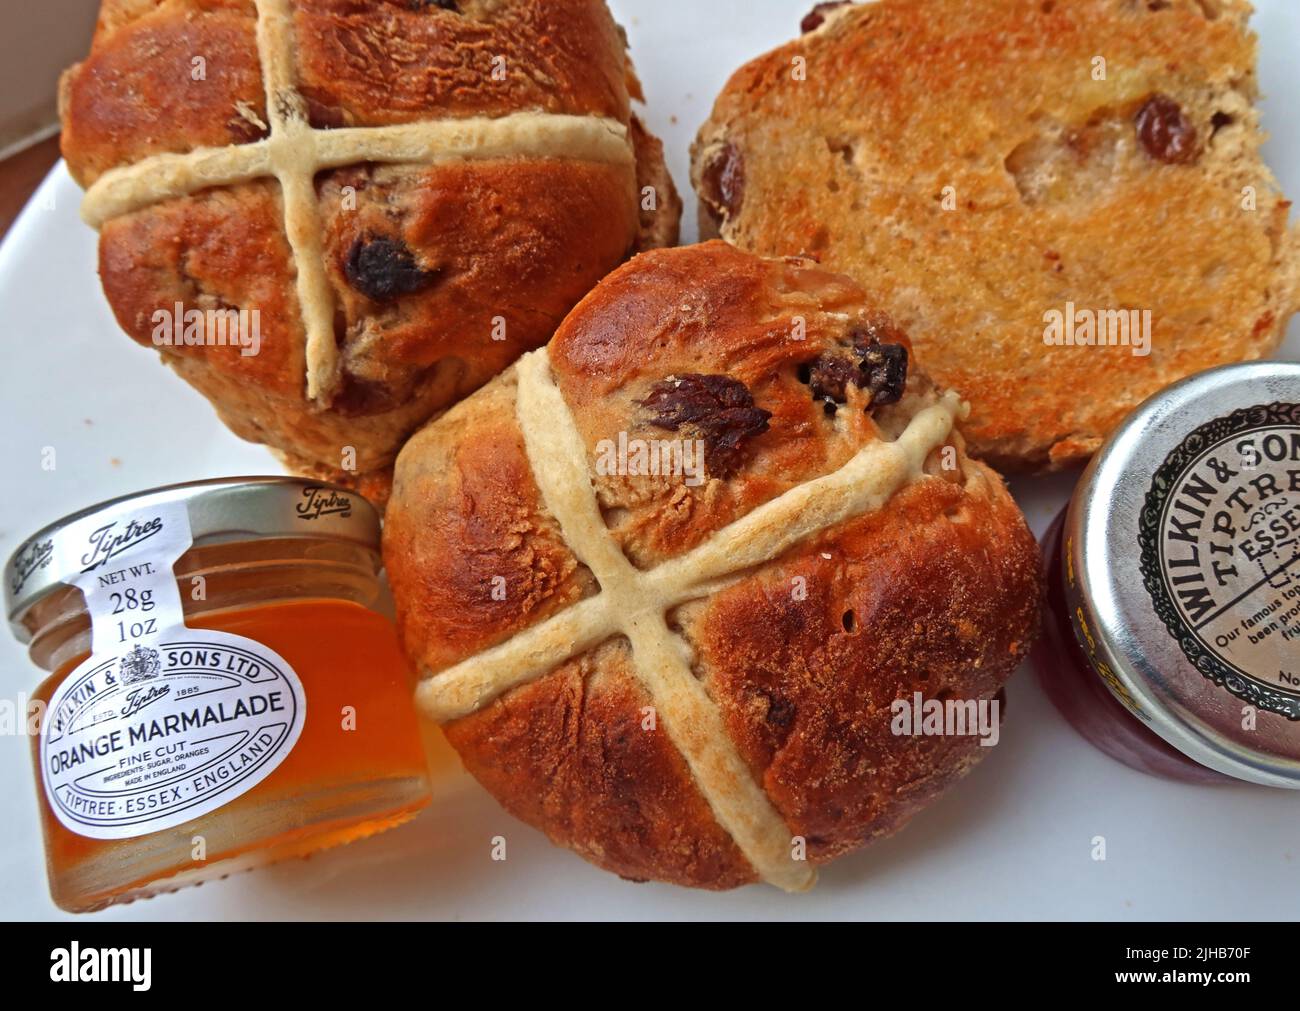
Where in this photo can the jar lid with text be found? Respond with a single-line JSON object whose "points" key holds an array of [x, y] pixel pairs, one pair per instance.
{"points": [[1182, 568], [223, 510]]}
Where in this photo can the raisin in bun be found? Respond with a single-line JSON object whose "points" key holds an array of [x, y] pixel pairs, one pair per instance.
{"points": [[686, 674], [967, 163], [432, 187]]}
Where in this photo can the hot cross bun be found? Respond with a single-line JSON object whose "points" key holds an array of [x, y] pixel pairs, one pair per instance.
{"points": [[407, 194], [666, 580]]}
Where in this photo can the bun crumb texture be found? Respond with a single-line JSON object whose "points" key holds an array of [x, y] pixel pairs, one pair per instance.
{"points": [[996, 172]]}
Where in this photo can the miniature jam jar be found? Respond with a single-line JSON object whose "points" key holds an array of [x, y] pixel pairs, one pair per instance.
{"points": [[222, 691], [1173, 634]]}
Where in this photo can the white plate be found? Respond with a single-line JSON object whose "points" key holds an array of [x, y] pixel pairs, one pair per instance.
{"points": [[1014, 841]]}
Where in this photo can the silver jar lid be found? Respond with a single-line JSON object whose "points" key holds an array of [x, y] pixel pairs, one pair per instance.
{"points": [[1182, 563], [221, 510]]}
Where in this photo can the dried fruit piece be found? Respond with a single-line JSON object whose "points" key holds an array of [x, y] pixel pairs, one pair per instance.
{"points": [[815, 18], [722, 183], [829, 376], [881, 345], [382, 268], [717, 409], [880, 368], [884, 373], [1165, 132]]}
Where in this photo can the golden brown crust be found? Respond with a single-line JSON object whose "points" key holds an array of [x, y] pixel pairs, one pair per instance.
{"points": [[472, 530], [661, 205], [221, 249], [707, 309], [961, 162], [571, 755], [162, 76], [943, 581], [391, 61], [490, 253], [934, 595]]}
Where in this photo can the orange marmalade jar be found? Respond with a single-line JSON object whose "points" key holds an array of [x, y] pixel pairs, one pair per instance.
{"points": [[222, 691]]}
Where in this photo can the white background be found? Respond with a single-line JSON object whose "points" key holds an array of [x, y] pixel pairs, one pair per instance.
{"points": [[1013, 841]]}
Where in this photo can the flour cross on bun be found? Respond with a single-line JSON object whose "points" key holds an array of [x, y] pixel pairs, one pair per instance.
{"points": [[633, 602], [857, 555], [294, 151]]}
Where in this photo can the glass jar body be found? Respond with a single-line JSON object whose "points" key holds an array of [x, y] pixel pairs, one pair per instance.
{"points": [[1077, 690], [357, 768]]}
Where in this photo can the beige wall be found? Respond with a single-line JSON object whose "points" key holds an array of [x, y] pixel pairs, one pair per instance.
{"points": [[39, 39]]}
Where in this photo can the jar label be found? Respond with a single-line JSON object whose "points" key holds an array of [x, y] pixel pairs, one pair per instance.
{"points": [[1220, 542], [162, 723]]}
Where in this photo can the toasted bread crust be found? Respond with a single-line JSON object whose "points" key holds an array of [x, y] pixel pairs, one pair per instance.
{"points": [[963, 163], [943, 581], [495, 251]]}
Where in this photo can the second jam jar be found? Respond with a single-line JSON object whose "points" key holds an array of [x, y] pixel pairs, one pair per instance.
{"points": [[221, 689], [1173, 634]]}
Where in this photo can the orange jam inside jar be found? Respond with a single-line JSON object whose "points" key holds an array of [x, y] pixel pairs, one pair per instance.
{"points": [[274, 721]]}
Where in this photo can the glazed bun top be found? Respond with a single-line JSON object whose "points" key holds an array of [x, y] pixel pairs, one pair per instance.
{"points": [[408, 195], [354, 64], [679, 506], [774, 368], [774, 372]]}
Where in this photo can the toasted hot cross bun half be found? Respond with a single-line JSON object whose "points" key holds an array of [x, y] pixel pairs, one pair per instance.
{"points": [[454, 174], [687, 675], [979, 165]]}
